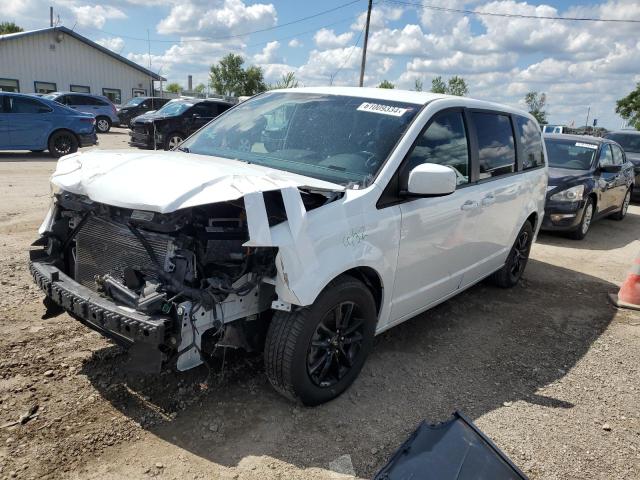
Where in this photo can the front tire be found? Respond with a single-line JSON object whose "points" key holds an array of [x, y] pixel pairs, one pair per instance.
{"points": [[313, 354], [623, 208], [103, 124], [509, 275], [61, 143], [173, 140], [585, 221]]}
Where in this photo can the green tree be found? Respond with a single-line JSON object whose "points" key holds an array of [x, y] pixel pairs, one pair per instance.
{"points": [[438, 85], [9, 27], [629, 108], [230, 78], [536, 103], [173, 87], [457, 86], [386, 84], [288, 80], [417, 86], [200, 88]]}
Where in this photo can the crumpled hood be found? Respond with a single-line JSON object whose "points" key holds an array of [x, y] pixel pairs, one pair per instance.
{"points": [[168, 181]]}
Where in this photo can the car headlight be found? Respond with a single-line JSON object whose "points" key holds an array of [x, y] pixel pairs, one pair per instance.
{"points": [[573, 194]]}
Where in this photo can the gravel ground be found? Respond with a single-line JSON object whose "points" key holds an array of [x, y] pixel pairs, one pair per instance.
{"points": [[549, 370]]}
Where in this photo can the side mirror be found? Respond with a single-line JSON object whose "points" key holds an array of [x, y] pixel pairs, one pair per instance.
{"points": [[610, 168], [431, 179]]}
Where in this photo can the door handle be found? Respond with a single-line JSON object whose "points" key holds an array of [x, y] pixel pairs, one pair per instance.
{"points": [[488, 200], [469, 205]]}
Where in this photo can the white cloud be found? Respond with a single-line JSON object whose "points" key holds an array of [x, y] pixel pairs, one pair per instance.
{"points": [[217, 18], [96, 15], [115, 44], [268, 54], [295, 43], [325, 38]]}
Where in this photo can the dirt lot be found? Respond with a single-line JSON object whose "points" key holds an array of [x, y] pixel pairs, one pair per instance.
{"points": [[549, 370]]}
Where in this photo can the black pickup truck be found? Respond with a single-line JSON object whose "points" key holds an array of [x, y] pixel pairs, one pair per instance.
{"points": [[174, 122]]}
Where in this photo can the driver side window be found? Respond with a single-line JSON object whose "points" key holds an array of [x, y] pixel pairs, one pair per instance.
{"points": [[605, 156], [444, 142]]}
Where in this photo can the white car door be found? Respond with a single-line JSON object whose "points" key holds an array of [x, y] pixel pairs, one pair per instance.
{"points": [[435, 232]]}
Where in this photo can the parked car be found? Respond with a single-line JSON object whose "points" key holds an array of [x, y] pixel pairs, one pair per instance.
{"points": [[137, 106], [589, 178], [302, 222], [100, 107], [629, 140], [37, 124], [174, 122]]}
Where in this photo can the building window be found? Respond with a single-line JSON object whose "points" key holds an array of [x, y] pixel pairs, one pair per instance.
{"points": [[44, 87], [79, 88], [112, 94], [139, 92], [9, 85]]}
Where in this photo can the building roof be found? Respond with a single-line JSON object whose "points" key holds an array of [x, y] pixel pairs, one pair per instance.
{"points": [[77, 36]]}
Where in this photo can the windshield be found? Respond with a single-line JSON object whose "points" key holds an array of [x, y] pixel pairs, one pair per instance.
{"points": [[630, 142], [339, 139], [174, 108], [135, 101], [570, 154]]}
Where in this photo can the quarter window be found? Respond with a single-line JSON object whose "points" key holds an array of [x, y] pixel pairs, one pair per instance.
{"points": [[605, 156], [531, 141], [444, 142], [497, 154], [9, 85], [112, 94], [44, 87]]}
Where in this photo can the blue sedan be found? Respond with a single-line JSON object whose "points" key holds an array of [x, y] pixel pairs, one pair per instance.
{"points": [[37, 124]]}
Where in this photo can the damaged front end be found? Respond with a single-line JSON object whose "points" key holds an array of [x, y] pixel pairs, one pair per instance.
{"points": [[172, 287]]}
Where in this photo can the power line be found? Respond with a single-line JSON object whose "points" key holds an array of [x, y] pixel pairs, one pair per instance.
{"points": [[350, 54], [509, 15], [239, 35]]}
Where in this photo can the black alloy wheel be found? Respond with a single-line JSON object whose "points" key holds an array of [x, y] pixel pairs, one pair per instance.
{"points": [[335, 344], [511, 272], [62, 143]]}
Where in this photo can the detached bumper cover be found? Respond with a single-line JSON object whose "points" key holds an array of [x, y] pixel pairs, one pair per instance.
{"points": [[139, 139], [454, 450], [88, 139], [124, 326]]}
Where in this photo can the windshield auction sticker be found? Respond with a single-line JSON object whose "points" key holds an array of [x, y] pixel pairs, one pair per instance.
{"points": [[383, 109], [587, 145]]}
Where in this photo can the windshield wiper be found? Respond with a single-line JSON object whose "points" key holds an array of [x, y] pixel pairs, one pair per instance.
{"points": [[183, 149]]}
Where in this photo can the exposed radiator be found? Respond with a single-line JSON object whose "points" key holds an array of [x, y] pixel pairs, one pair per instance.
{"points": [[104, 247]]}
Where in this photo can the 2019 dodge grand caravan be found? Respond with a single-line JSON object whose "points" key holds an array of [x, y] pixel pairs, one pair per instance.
{"points": [[301, 223]]}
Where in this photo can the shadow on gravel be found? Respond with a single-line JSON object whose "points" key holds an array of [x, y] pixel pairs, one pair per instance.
{"points": [[474, 353], [26, 157], [605, 234]]}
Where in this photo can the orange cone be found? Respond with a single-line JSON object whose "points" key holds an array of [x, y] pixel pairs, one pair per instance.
{"points": [[629, 294]]}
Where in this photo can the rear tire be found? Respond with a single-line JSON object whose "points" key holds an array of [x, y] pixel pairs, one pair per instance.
{"points": [[173, 140], [62, 142], [103, 124], [624, 207], [585, 221], [313, 354], [509, 275]]}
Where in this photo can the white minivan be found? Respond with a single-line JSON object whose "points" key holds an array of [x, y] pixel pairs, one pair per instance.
{"points": [[301, 222]]}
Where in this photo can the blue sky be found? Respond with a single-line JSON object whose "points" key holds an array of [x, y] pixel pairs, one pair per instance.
{"points": [[577, 64]]}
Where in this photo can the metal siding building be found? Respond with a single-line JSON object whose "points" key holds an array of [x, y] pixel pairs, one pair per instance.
{"points": [[59, 56]]}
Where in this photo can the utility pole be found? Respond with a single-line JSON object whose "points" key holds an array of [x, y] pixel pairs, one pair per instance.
{"points": [[151, 92], [586, 124], [364, 47], [51, 16]]}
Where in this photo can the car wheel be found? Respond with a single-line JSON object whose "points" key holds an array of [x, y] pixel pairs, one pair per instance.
{"points": [[509, 275], [62, 143], [173, 140], [103, 124], [313, 354], [624, 208], [585, 222]]}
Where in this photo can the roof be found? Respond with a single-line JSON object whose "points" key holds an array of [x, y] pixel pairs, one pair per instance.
{"points": [[85, 40], [577, 138], [624, 131], [407, 96]]}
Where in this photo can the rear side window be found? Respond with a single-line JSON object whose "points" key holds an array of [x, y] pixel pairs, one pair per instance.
{"points": [[531, 141], [444, 142], [27, 105], [618, 156], [496, 148]]}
